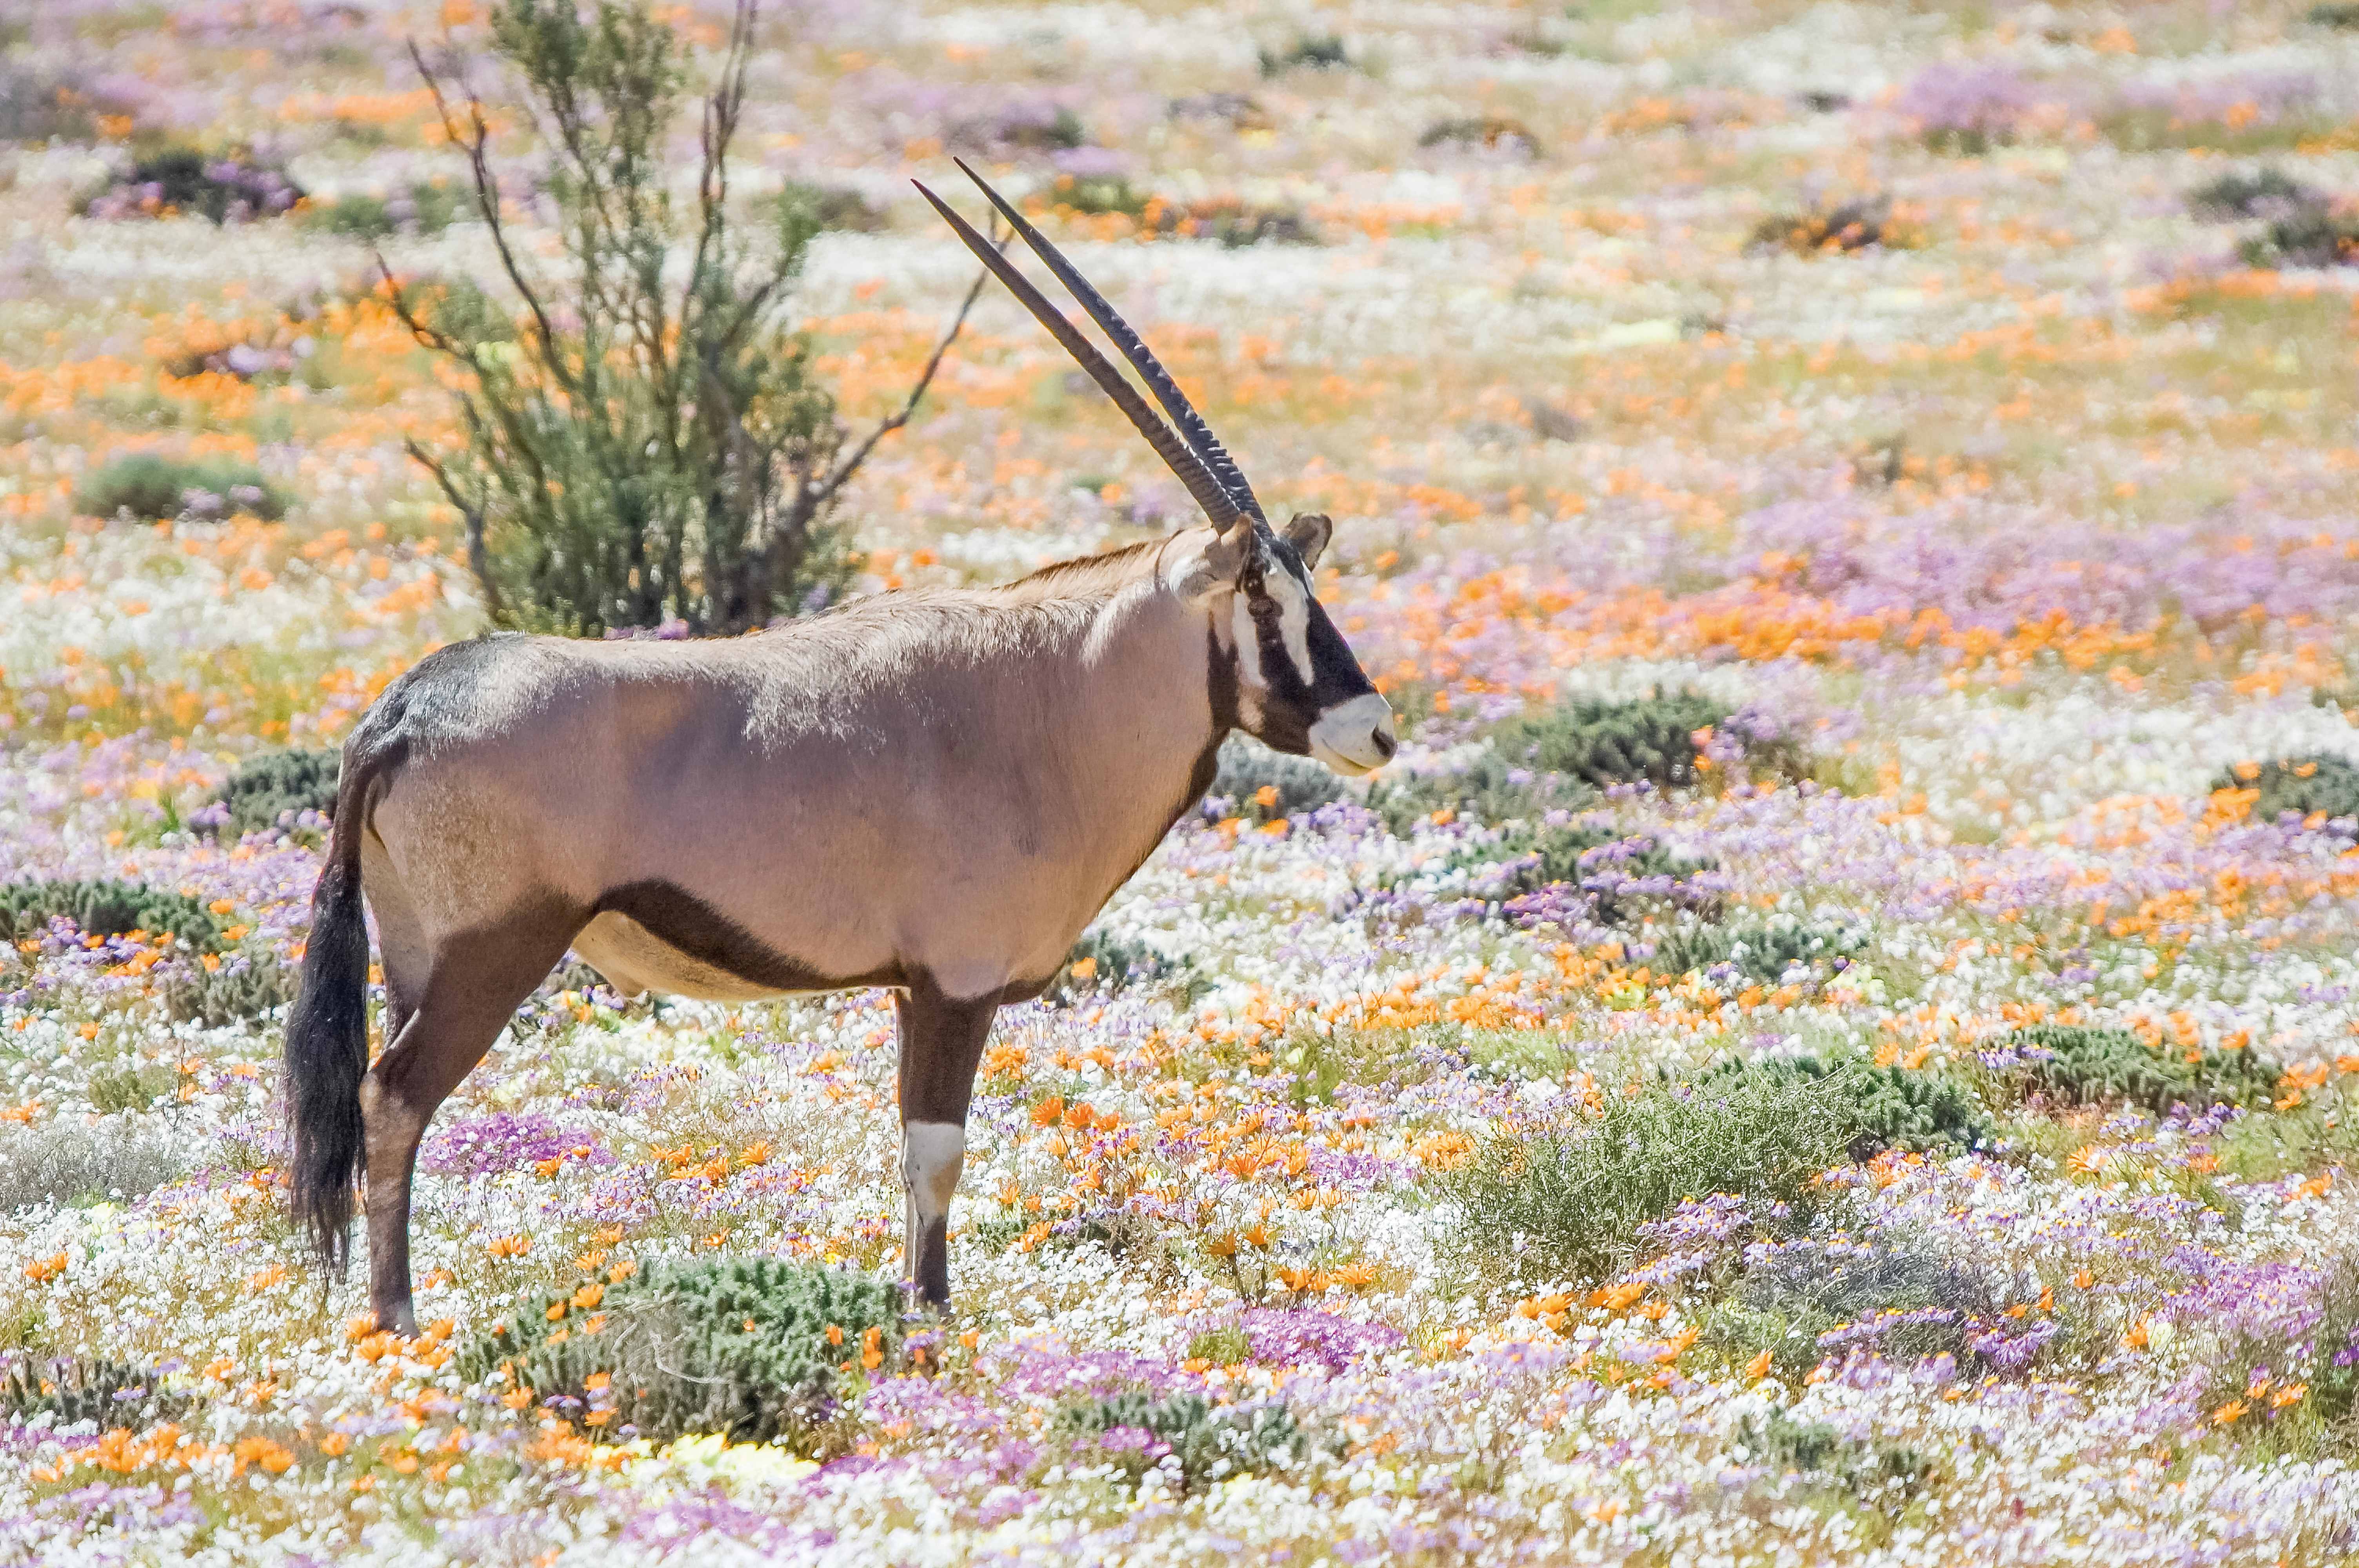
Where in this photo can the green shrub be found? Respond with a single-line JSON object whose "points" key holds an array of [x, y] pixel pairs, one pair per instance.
{"points": [[274, 785], [609, 475], [1319, 53], [1602, 743], [2081, 1065], [1486, 790], [2238, 194], [1853, 225], [833, 206], [425, 207], [1102, 961], [225, 187], [84, 1388], [1211, 1443], [2321, 1354], [1568, 1204], [1889, 1107], [1764, 951], [1784, 1304], [71, 1161], [2342, 15], [1877, 1473], [152, 486], [1095, 195], [735, 1346], [1298, 784], [251, 982], [2309, 236], [1491, 133], [2305, 786], [106, 908]]}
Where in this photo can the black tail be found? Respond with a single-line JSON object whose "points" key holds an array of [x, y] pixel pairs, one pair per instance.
{"points": [[327, 1037]]}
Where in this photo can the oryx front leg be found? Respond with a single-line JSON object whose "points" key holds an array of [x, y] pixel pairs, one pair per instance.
{"points": [[932, 1153], [941, 1042]]}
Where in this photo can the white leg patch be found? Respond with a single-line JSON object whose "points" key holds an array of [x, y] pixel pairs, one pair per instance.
{"points": [[932, 1155]]}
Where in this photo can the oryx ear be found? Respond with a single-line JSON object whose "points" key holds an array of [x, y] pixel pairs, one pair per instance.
{"points": [[1212, 561], [1309, 533]]}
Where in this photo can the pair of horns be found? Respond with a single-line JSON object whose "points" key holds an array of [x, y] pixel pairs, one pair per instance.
{"points": [[1193, 451]]}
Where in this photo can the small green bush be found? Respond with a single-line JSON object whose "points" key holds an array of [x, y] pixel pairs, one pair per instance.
{"points": [[83, 1387], [1248, 767], [833, 206], [2342, 15], [1487, 790], [1317, 53], [1490, 133], [152, 486], [250, 982], [2309, 236], [1785, 1304], [272, 786], [73, 1161], [2305, 786], [735, 1346], [224, 187], [1648, 738], [1102, 961], [2239, 194], [1889, 1107], [1877, 1473], [425, 207], [1568, 1204], [1211, 1443], [1762, 951], [1095, 195], [106, 908], [2321, 1353], [2081, 1065]]}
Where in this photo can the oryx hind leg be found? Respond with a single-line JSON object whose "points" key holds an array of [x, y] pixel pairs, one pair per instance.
{"points": [[941, 1045], [474, 983]]}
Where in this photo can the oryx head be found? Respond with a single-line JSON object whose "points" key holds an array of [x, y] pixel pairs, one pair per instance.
{"points": [[1297, 689]]}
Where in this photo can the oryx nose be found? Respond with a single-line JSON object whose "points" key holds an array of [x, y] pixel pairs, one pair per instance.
{"points": [[1385, 744]]}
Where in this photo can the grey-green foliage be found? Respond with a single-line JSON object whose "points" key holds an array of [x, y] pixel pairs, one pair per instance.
{"points": [[2316, 235], [104, 907], [1568, 1203], [1114, 963], [151, 486], [649, 440], [73, 1162], [2304, 787], [1210, 1441], [1602, 742], [273, 786], [1889, 1108], [249, 981], [2243, 194], [2311, 1350], [2084, 1066], [1318, 52], [83, 1387], [1248, 767], [1763, 951], [1784, 1304], [1489, 789], [735, 1346], [1874, 1472], [423, 206]]}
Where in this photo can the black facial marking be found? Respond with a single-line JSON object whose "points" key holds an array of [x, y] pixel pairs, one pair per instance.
{"points": [[1289, 705]]}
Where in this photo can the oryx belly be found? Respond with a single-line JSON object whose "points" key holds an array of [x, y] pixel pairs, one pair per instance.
{"points": [[635, 960]]}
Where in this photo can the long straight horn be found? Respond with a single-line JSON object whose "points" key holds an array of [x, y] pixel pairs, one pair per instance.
{"points": [[1218, 504], [1142, 359]]}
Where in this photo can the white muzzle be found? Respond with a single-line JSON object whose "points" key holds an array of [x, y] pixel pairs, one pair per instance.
{"points": [[1355, 737]]}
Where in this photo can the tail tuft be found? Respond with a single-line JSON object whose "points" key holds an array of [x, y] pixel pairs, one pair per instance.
{"points": [[327, 1044]]}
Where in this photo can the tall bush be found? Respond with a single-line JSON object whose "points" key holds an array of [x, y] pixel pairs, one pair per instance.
{"points": [[646, 439]]}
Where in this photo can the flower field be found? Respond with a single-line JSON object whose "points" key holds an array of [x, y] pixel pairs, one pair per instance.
{"points": [[1837, 1040]]}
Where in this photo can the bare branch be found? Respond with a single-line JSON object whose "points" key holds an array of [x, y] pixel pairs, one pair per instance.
{"points": [[825, 489]]}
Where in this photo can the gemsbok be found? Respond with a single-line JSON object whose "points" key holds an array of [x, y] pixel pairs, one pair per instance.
{"points": [[930, 791]]}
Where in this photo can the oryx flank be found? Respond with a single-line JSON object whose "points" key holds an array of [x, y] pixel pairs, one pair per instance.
{"points": [[932, 792]]}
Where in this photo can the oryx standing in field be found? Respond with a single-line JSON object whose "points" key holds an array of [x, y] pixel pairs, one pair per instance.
{"points": [[933, 792]]}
